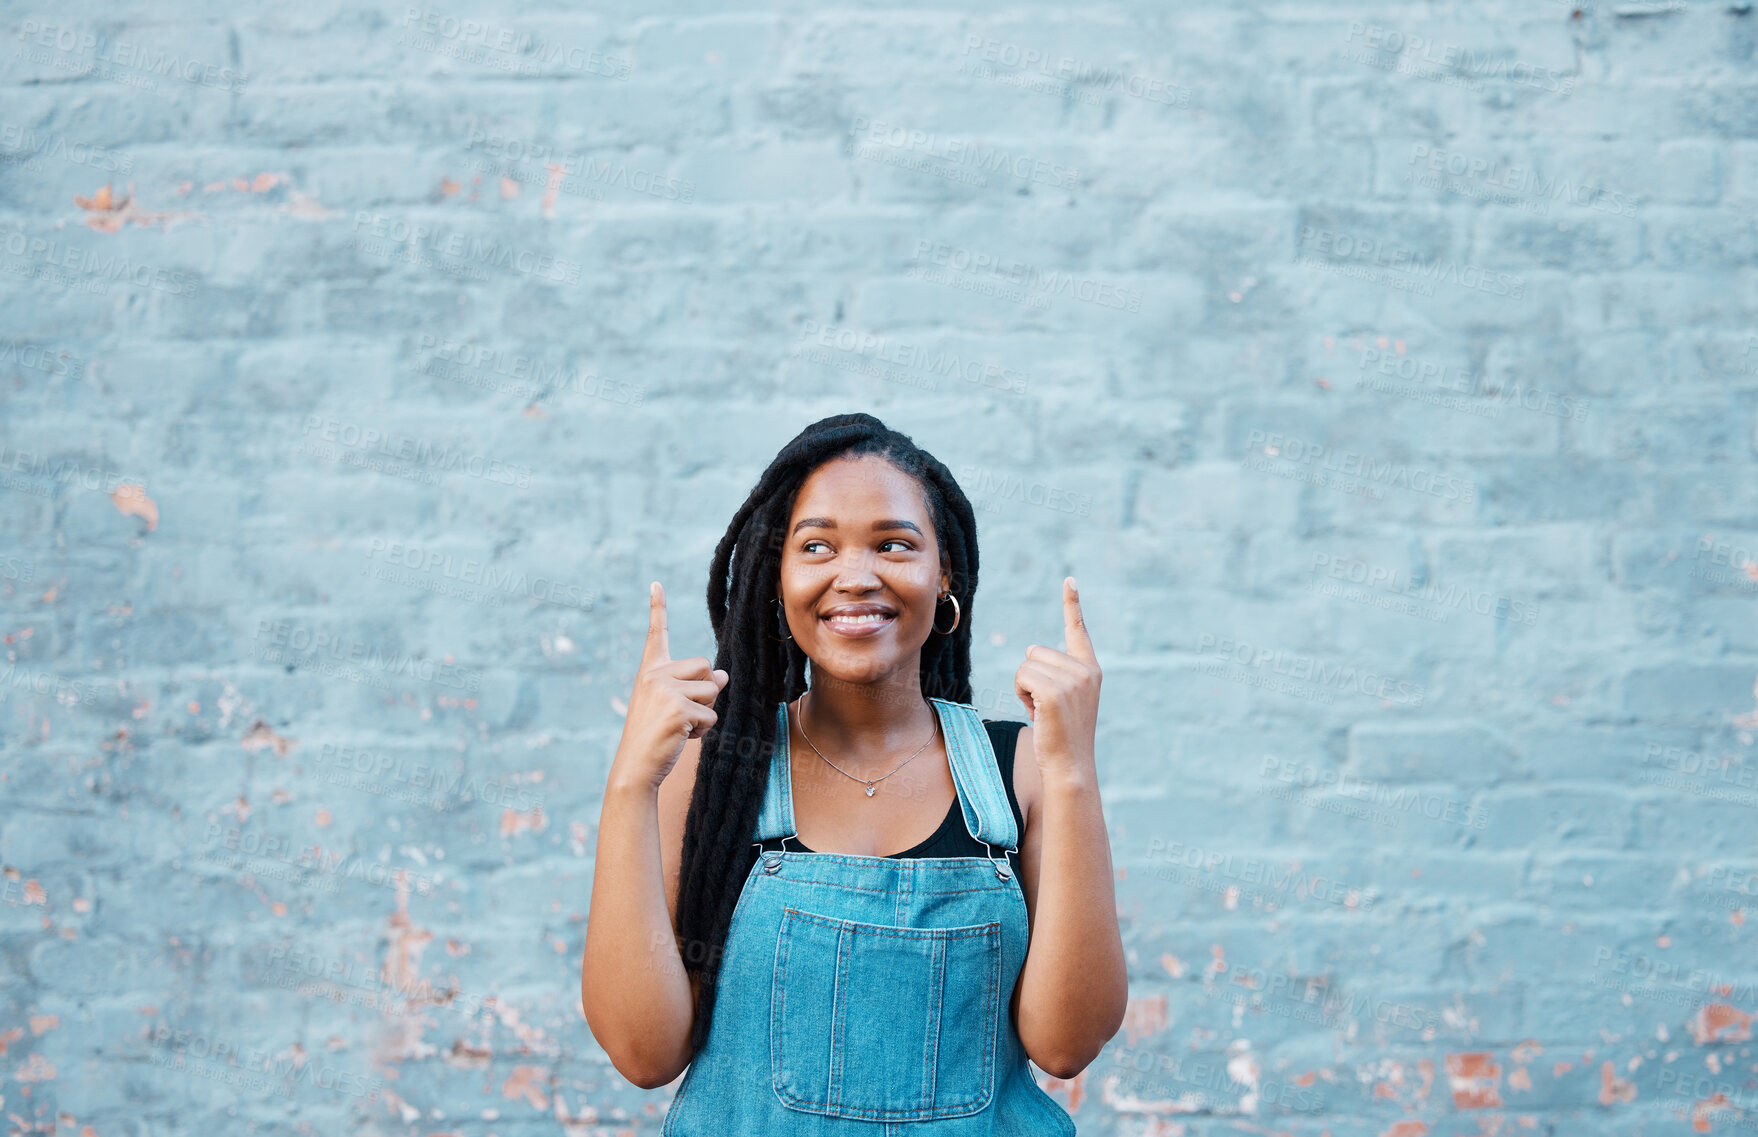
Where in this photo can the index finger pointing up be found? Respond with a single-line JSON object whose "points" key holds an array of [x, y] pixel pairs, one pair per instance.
{"points": [[658, 646], [1074, 624]]}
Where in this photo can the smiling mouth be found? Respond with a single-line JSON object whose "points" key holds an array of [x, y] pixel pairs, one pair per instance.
{"points": [[859, 625]]}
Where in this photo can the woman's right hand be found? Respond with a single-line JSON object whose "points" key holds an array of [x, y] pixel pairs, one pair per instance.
{"points": [[672, 702]]}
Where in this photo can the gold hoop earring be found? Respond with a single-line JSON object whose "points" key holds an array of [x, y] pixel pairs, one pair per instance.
{"points": [[957, 614]]}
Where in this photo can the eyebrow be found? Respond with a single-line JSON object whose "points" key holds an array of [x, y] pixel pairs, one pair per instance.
{"points": [[878, 526]]}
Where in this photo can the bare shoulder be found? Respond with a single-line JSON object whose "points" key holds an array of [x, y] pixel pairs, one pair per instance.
{"points": [[674, 808]]}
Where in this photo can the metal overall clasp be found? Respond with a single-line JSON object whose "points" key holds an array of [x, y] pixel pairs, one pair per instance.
{"points": [[772, 859], [1003, 870]]}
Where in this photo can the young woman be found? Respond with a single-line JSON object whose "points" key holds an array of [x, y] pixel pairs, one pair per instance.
{"points": [[853, 902]]}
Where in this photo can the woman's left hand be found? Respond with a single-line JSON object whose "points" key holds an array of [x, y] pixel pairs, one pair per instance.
{"points": [[1060, 690]]}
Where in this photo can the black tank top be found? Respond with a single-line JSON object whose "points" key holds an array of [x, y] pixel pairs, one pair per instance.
{"points": [[952, 839]]}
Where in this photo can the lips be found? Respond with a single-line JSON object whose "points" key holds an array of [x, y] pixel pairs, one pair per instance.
{"points": [[857, 620]]}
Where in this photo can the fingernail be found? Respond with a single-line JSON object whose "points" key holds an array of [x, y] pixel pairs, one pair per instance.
{"points": [[1073, 587]]}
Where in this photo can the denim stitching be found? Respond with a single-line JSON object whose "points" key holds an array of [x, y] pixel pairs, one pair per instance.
{"points": [[936, 1008], [841, 923], [996, 1008], [778, 1010], [998, 886], [838, 1016]]}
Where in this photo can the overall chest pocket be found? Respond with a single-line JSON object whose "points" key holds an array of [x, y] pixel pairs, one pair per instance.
{"points": [[884, 1023]]}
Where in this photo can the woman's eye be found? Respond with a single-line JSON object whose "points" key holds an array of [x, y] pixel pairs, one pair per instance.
{"points": [[807, 547]]}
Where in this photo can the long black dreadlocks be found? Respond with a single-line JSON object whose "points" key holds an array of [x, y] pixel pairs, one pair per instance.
{"points": [[763, 669]]}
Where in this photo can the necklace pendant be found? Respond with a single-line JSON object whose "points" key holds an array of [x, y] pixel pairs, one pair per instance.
{"points": [[869, 789]]}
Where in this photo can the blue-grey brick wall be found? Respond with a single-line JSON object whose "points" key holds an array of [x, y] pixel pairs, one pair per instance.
{"points": [[1385, 373]]}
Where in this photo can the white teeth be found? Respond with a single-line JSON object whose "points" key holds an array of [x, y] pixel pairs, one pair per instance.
{"points": [[873, 619]]}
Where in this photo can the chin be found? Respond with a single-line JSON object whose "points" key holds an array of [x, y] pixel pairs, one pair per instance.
{"points": [[855, 674]]}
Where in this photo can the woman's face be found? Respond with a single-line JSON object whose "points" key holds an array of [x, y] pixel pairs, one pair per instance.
{"points": [[860, 543]]}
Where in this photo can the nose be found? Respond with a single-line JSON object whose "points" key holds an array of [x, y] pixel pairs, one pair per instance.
{"points": [[854, 572]]}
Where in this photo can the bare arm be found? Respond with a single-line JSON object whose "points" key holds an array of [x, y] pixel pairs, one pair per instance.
{"points": [[638, 1000], [1074, 988]]}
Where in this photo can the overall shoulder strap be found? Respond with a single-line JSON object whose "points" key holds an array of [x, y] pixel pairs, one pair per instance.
{"points": [[975, 772], [777, 816]]}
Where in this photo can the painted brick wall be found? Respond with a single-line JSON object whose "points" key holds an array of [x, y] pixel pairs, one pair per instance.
{"points": [[1384, 373]]}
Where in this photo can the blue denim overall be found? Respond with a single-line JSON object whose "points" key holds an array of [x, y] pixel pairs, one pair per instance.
{"points": [[869, 995]]}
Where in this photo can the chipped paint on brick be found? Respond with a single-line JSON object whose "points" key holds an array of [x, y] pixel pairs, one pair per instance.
{"points": [[1144, 1016], [261, 736], [1613, 1089], [1475, 1080], [514, 822], [132, 500], [1720, 1022], [108, 213], [525, 1083]]}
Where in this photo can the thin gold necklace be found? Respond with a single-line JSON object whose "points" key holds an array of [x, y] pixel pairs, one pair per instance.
{"points": [[801, 716]]}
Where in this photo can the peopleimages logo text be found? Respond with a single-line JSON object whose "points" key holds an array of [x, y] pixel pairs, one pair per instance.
{"points": [[883, 349], [336, 760], [293, 645], [1310, 669], [464, 249], [1347, 248], [1351, 463], [1031, 279], [21, 143], [960, 152], [1523, 180], [100, 268], [254, 1067], [581, 174], [1452, 58], [108, 55]]}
